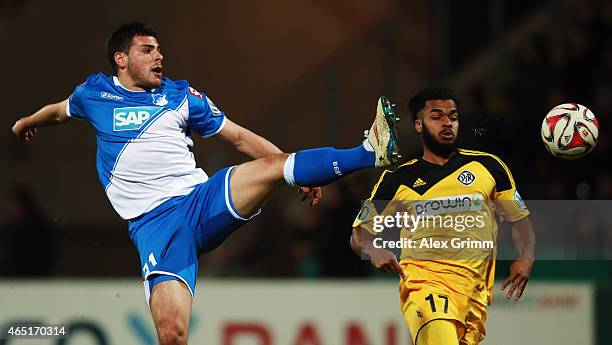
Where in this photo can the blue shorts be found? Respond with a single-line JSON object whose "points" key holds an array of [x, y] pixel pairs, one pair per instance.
{"points": [[172, 236]]}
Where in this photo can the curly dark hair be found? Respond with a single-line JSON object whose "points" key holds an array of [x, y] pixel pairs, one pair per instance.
{"points": [[417, 102]]}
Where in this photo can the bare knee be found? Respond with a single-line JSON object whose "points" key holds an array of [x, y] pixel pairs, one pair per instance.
{"points": [[276, 159], [275, 163], [172, 332]]}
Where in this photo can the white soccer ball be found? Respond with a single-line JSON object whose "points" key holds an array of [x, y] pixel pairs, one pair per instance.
{"points": [[570, 131]]}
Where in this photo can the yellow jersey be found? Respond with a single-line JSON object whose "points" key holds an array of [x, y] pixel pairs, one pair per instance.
{"points": [[451, 214]]}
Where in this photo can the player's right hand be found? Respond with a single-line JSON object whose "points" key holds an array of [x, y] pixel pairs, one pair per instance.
{"points": [[23, 131], [385, 261]]}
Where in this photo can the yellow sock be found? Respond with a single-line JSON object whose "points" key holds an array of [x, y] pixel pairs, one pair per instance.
{"points": [[438, 332]]}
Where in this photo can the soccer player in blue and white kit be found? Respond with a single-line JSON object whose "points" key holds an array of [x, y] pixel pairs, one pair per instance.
{"points": [[176, 212]]}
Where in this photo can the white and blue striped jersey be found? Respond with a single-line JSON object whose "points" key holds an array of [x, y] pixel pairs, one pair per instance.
{"points": [[143, 139]]}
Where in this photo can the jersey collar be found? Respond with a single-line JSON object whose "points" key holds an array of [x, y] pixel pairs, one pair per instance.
{"points": [[118, 84], [448, 163]]}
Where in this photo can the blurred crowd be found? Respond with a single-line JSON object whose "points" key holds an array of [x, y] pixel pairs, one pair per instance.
{"points": [[28, 239], [568, 61]]}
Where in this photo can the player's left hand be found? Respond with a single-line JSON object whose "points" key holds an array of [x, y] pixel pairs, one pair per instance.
{"points": [[312, 193], [519, 275]]}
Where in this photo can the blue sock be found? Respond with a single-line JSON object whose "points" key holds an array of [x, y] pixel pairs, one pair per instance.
{"points": [[318, 167]]}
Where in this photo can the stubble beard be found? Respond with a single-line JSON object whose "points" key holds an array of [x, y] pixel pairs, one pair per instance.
{"points": [[140, 80], [439, 149]]}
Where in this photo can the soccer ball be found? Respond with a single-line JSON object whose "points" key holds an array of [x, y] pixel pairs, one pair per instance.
{"points": [[570, 131]]}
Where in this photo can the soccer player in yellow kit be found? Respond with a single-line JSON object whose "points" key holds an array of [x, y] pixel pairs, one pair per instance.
{"points": [[447, 276]]}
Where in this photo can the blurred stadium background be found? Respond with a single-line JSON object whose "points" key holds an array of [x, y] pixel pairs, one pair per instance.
{"points": [[303, 73]]}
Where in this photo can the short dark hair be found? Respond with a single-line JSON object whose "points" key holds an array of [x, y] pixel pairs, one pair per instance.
{"points": [[121, 39], [417, 102]]}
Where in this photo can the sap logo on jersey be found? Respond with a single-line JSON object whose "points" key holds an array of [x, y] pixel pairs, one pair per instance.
{"points": [[132, 118]]}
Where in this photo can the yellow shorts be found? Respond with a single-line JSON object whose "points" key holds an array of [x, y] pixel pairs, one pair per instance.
{"points": [[423, 302]]}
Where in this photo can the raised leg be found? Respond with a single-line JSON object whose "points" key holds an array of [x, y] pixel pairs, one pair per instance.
{"points": [[252, 183]]}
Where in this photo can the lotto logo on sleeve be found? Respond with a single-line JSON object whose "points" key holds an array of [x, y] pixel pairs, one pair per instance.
{"points": [[132, 118]]}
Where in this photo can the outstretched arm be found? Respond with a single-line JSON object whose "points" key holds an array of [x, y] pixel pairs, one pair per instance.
{"points": [[246, 141], [524, 241], [49, 115], [257, 147]]}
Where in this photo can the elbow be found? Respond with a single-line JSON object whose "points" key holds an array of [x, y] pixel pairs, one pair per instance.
{"points": [[238, 145], [58, 119], [238, 142], [59, 113]]}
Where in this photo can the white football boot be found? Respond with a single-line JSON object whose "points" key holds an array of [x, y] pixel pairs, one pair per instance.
{"points": [[382, 137]]}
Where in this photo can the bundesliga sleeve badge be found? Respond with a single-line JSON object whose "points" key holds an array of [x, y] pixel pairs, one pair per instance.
{"points": [[195, 93]]}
